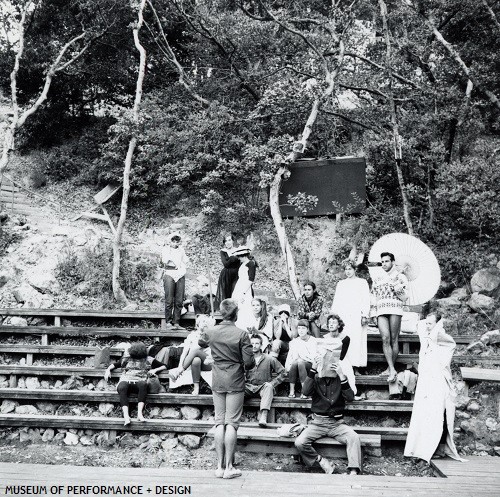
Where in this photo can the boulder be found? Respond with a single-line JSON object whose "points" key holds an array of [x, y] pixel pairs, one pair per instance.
{"points": [[170, 413], [480, 303], [46, 407], [42, 278], [486, 281], [189, 412], [190, 441], [8, 406], [26, 409], [169, 444], [86, 440], [154, 412], [106, 408], [448, 304], [460, 293], [71, 438], [24, 436], [473, 407], [35, 435], [18, 321], [32, 383], [26, 294], [207, 414], [48, 435]]}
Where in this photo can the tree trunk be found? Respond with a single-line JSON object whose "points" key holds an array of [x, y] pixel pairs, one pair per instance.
{"points": [[394, 120], [118, 292]]}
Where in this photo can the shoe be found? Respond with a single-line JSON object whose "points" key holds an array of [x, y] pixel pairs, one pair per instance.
{"points": [[291, 396], [263, 420], [169, 326], [326, 466], [177, 326], [219, 473], [231, 473]]}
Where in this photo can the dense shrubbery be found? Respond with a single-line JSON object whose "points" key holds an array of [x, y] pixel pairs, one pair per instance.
{"points": [[93, 269]]}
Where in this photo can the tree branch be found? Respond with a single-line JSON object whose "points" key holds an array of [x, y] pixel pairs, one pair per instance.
{"points": [[492, 14], [350, 120]]}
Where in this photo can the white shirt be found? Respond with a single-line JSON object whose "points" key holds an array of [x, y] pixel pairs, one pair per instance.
{"points": [[178, 257]]}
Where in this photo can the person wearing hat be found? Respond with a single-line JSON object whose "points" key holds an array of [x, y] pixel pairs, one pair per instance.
{"points": [[243, 290], [301, 354], [232, 353], [284, 331], [174, 262]]}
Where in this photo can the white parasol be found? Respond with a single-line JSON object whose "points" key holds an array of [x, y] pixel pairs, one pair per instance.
{"points": [[414, 259]]}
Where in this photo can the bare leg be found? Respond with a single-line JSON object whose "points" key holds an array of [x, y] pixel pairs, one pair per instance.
{"points": [[140, 411], [219, 444], [385, 333], [395, 327], [126, 416], [230, 439]]}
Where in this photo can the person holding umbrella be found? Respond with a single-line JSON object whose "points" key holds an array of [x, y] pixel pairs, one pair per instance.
{"points": [[390, 290]]}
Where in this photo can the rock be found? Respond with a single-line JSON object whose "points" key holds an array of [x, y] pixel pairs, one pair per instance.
{"points": [[26, 409], [8, 406], [18, 321], [59, 437], [462, 401], [44, 384], [86, 440], [480, 303], [32, 383], [42, 278], [189, 412], [83, 288], [106, 408], [491, 337], [298, 416], [58, 384], [21, 383], [24, 436], [190, 441], [207, 414], [27, 295], [474, 407], [35, 435], [389, 423], [462, 415], [48, 435], [486, 281], [46, 407], [448, 304], [154, 412], [170, 413], [460, 293], [71, 439], [481, 446], [130, 307], [176, 226], [127, 440], [106, 438], [5, 276], [169, 444], [377, 394], [491, 424]]}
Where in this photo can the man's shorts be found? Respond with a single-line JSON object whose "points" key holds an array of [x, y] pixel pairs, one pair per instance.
{"points": [[228, 408]]}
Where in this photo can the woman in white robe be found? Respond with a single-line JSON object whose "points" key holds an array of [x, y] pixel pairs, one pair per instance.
{"points": [[435, 394], [352, 303], [243, 290]]}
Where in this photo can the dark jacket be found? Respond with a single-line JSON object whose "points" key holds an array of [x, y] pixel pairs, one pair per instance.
{"points": [[328, 394], [263, 372], [232, 354]]}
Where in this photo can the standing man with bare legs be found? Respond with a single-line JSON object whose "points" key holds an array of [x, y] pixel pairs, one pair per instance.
{"points": [[391, 292]]}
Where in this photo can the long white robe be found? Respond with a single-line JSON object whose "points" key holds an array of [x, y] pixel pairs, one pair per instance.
{"points": [[242, 293], [434, 395], [352, 302]]}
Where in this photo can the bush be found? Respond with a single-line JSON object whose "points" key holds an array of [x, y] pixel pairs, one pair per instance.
{"points": [[94, 267]]}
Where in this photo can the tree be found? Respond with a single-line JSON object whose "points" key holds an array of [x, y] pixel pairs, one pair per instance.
{"points": [[117, 290]]}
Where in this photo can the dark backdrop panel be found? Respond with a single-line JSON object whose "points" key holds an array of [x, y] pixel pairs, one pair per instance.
{"points": [[330, 180]]}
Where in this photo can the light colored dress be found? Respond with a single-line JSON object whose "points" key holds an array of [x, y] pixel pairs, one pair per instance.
{"points": [[243, 294], [434, 396], [352, 302]]}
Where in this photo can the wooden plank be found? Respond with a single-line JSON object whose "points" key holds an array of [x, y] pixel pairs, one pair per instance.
{"points": [[480, 374], [106, 193]]}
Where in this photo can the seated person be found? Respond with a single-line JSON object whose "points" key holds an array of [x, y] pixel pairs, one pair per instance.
{"points": [[300, 357], [262, 323], [284, 330], [167, 354], [193, 355], [329, 395], [311, 308], [259, 379], [137, 367], [201, 299]]}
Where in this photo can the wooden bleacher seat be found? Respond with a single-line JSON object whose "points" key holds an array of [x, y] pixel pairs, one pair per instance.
{"points": [[480, 374]]}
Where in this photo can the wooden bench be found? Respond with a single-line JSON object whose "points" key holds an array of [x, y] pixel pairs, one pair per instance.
{"points": [[263, 440], [480, 374], [58, 314], [15, 370], [174, 399]]}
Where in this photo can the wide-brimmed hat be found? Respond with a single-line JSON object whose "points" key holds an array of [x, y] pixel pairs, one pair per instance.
{"points": [[285, 308], [241, 250]]}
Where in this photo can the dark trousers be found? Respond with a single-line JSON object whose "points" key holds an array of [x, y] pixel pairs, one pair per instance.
{"points": [[299, 370], [174, 297], [125, 389]]}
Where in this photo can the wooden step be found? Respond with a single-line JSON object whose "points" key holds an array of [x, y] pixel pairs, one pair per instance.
{"points": [[157, 425], [480, 374], [191, 400]]}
